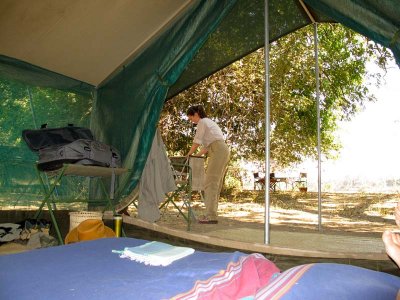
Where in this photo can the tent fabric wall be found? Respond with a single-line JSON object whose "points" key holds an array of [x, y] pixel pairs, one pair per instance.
{"points": [[83, 39], [14, 69], [377, 20], [127, 109]]}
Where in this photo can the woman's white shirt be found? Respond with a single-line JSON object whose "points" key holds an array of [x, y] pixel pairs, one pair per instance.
{"points": [[207, 132]]}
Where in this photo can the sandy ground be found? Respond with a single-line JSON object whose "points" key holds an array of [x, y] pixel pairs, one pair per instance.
{"points": [[368, 214]]}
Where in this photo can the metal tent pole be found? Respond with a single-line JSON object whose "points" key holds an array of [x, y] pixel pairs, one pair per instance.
{"points": [[32, 109], [267, 127], [53, 203], [318, 125]]}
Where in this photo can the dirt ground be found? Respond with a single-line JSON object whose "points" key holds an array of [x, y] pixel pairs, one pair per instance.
{"points": [[367, 213], [361, 214]]}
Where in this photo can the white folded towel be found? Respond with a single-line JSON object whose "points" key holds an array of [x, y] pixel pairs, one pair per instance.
{"points": [[156, 253]]}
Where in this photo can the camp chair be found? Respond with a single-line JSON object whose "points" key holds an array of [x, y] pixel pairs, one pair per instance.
{"points": [[183, 179], [272, 182], [301, 182], [259, 182]]}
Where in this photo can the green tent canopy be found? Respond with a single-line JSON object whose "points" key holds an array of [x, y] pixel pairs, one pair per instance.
{"points": [[114, 63]]}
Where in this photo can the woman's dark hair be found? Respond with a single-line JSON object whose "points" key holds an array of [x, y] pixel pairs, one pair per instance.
{"points": [[199, 109]]}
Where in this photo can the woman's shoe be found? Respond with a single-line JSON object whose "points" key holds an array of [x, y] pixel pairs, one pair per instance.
{"points": [[205, 220], [208, 222]]}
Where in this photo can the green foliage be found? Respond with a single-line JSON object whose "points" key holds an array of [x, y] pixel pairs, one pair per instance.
{"points": [[234, 96], [232, 180], [24, 107]]}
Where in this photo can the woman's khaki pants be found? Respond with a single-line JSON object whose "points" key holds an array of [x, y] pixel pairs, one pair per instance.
{"points": [[218, 158]]}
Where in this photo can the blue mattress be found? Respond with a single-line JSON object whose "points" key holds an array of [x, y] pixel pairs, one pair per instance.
{"points": [[89, 270]]}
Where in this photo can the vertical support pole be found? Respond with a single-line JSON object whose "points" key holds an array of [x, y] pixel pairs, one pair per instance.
{"points": [[267, 126], [32, 109], [318, 125], [190, 213], [112, 186]]}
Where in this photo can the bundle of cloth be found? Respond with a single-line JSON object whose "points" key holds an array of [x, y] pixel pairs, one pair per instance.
{"points": [[311, 281]]}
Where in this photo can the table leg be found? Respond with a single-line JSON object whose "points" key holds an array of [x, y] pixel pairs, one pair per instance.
{"points": [[46, 201]]}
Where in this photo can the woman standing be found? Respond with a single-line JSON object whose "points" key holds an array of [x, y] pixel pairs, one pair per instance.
{"points": [[210, 137]]}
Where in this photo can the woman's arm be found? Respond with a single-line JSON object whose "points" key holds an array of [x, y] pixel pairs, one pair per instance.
{"points": [[193, 149], [202, 151]]}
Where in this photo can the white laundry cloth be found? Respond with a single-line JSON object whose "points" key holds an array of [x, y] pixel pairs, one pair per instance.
{"points": [[157, 180], [156, 253]]}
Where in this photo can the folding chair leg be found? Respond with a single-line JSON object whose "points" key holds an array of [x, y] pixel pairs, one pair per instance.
{"points": [[46, 201], [169, 200]]}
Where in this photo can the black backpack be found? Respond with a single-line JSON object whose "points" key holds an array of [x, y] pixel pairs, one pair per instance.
{"points": [[69, 144]]}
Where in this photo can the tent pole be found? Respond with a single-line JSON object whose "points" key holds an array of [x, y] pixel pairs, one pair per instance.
{"points": [[32, 109], [267, 128], [318, 124]]}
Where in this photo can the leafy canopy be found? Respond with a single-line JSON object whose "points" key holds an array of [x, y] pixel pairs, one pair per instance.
{"points": [[234, 96]]}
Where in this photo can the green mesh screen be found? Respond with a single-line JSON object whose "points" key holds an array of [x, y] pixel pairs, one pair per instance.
{"points": [[26, 107], [241, 33]]}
